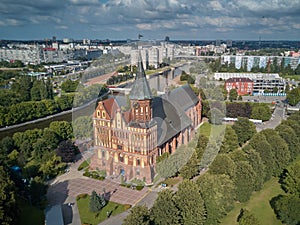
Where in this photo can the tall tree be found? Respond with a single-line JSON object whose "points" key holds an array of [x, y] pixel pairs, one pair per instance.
{"points": [[290, 181], [244, 181], [223, 164], [259, 144], [247, 218], [164, 210], [139, 215], [254, 159], [244, 129], [95, 203], [190, 203], [293, 96], [233, 94], [191, 168], [230, 141], [8, 206], [218, 193], [63, 128], [279, 149]]}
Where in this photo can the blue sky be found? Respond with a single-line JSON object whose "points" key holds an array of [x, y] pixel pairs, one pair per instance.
{"points": [[155, 19]]}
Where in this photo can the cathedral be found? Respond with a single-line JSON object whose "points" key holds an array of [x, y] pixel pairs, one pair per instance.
{"points": [[129, 135]]}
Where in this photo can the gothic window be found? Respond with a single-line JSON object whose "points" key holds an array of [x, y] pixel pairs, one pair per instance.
{"points": [[138, 162]]}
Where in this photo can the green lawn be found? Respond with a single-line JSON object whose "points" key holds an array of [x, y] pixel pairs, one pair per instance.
{"points": [[95, 218], [258, 205], [30, 215], [205, 129]]}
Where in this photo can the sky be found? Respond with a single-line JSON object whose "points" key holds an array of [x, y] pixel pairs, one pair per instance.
{"points": [[154, 19]]}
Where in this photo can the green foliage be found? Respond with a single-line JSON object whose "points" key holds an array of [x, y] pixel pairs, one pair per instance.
{"points": [[244, 180], [239, 109], [186, 77], [230, 141], [67, 151], [83, 127], [261, 112], [69, 85], [63, 129], [279, 149], [37, 190], [233, 94], [223, 164], [191, 168], [51, 165], [259, 144], [290, 180], [244, 129], [293, 96], [8, 208], [218, 193], [139, 215], [190, 203], [164, 210], [163, 157], [247, 218], [96, 202], [254, 159], [287, 208], [215, 116], [83, 165]]}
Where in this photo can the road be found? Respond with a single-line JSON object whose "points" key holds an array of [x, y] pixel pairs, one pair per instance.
{"points": [[277, 116]]}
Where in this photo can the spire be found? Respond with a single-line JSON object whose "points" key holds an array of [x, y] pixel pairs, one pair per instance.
{"points": [[140, 89]]}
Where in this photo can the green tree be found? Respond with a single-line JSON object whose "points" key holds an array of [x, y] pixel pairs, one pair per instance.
{"points": [[164, 210], [247, 218], [254, 159], [244, 180], [139, 215], [37, 190], [293, 96], [64, 129], [191, 168], [215, 116], [290, 181], [190, 203], [7, 144], [95, 204], [279, 149], [218, 193], [8, 207], [51, 165], [244, 129], [83, 127], [233, 94], [230, 141], [223, 164], [287, 208], [259, 144], [291, 138], [66, 150], [261, 112], [69, 86]]}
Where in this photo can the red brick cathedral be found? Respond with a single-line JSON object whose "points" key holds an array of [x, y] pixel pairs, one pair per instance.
{"points": [[129, 137]]}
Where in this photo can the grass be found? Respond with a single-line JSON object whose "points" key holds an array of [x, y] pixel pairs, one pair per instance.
{"points": [[170, 182], [29, 214], [88, 217], [205, 129], [83, 165], [258, 205]]}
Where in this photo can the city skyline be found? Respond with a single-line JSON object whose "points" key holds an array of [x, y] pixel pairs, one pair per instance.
{"points": [[125, 19]]}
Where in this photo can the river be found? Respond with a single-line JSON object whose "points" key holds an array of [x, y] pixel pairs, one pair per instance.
{"points": [[71, 114]]}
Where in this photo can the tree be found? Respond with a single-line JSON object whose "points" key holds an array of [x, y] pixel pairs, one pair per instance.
{"points": [[218, 193], [191, 168], [190, 203], [164, 210], [83, 127], [244, 181], [69, 86], [37, 190], [233, 94], [254, 159], [230, 141], [51, 138], [223, 164], [290, 181], [279, 149], [96, 202], [244, 129], [259, 144], [63, 129], [261, 112], [66, 150], [287, 208], [289, 135], [51, 165], [139, 215], [7, 144], [293, 96], [215, 116], [8, 207], [247, 218]]}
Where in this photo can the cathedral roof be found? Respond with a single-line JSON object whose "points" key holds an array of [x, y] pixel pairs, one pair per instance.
{"points": [[140, 89]]}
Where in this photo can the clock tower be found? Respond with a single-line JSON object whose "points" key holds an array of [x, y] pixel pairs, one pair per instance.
{"points": [[141, 96]]}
